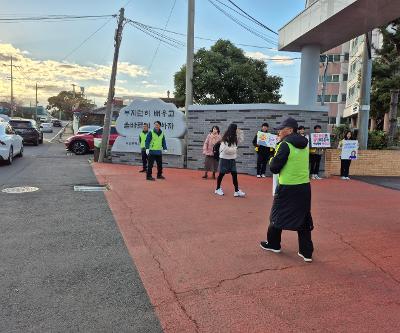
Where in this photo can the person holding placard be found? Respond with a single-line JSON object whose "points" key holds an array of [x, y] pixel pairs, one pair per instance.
{"points": [[291, 209], [263, 153], [345, 162], [315, 157]]}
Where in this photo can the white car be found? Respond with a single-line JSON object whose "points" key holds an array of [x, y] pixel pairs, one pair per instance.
{"points": [[10, 143], [46, 127]]}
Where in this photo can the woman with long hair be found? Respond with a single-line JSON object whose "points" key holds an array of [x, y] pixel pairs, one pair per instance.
{"points": [[210, 162], [227, 158], [345, 164]]}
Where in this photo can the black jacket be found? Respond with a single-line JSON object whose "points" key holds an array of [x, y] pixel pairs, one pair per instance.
{"points": [[291, 209]]}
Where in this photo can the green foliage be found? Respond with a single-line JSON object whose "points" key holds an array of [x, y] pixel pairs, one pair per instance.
{"points": [[377, 140], [338, 133], [224, 75], [386, 70], [67, 101]]}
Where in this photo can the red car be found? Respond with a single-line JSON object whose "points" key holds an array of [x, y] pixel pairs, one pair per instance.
{"points": [[83, 143]]}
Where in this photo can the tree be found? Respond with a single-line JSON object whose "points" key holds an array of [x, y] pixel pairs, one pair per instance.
{"points": [[224, 75], [67, 102], [386, 70]]}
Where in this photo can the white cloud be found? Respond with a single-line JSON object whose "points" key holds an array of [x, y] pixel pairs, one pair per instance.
{"points": [[276, 59], [54, 76]]}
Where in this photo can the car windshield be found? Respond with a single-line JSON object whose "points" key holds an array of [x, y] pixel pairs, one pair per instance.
{"points": [[20, 124], [88, 129]]}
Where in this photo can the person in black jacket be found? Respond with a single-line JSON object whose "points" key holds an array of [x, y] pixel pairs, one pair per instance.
{"points": [[263, 153], [291, 209]]}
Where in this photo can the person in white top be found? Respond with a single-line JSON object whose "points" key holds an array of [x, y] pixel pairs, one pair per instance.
{"points": [[227, 158]]}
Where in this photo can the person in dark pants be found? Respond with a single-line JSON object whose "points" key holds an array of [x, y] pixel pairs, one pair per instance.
{"points": [[142, 142], [315, 157], [263, 153], [155, 144], [345, 164], [291, 209]]}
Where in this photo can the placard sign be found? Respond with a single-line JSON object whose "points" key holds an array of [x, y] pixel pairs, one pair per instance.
{"points": [[349, 150], [266, 139], [147, 111], [320, 140], [125, 144]]}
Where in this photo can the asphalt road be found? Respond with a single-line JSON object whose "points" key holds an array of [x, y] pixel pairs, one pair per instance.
{"points": [[64, 266]]}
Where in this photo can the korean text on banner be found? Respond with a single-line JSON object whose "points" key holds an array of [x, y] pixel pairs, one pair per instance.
{"points": [[320, 140], [349, 150]]}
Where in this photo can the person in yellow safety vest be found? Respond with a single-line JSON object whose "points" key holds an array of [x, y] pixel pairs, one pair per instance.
{"points": [[291, 209], [155, 145], [142, 142]]}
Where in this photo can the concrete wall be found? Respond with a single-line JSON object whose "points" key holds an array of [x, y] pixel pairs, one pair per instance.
{"points": [[369, 163], [249, 118]]}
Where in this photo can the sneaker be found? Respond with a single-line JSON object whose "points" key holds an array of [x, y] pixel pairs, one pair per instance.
{"points": [[219, 191], [258, 176], [265, 246], [304, 258], [143, 170], [263, 176], [347, 178], [160, 177], [239, 193], [313, 177], [150, 178], [344, 178], [317, 177]]}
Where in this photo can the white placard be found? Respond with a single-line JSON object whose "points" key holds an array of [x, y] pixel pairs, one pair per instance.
{"points": [[349, 150], [132, 117], [320, 140], [125, 144]]}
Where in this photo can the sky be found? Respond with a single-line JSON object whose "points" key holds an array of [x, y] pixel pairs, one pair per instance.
{"points": [[48, 53]]}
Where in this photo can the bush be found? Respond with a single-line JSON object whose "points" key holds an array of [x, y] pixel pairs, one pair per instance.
{"points": [[377, 140], [338, 134]]}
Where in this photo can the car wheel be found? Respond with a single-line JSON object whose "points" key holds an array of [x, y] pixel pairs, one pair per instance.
{"points": [[10, 156], [79, 147], [21, 152], [36, 142]]}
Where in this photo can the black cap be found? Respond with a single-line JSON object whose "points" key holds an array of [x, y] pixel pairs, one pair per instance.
{"points": [[288, 122]]}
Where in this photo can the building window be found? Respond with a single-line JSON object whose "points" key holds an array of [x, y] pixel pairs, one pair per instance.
{"points": [[344, 96], [345, 77], [329, 78], [346, 56], [331, 57], [328, 98]]}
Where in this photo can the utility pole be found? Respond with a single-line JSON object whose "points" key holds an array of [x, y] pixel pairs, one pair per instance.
{"points": [[36, 101], [394, 102], [189, 65], [12, 90], [365, 94], [111, 90]]}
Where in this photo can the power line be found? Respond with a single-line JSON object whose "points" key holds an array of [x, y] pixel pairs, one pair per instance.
{"points": [[243, 25], [159, 42], [52, 18], [252, 18], [86, 39], [245, 15]]}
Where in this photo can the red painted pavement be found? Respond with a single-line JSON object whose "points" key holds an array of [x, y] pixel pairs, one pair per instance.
{"points": [[200, 261]]}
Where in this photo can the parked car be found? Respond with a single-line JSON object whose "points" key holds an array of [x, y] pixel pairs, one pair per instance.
{"points": [[46, 127], [83, 143], [56, 122], [87, 129], [28, 129], [44, 119], [10, 143]]}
